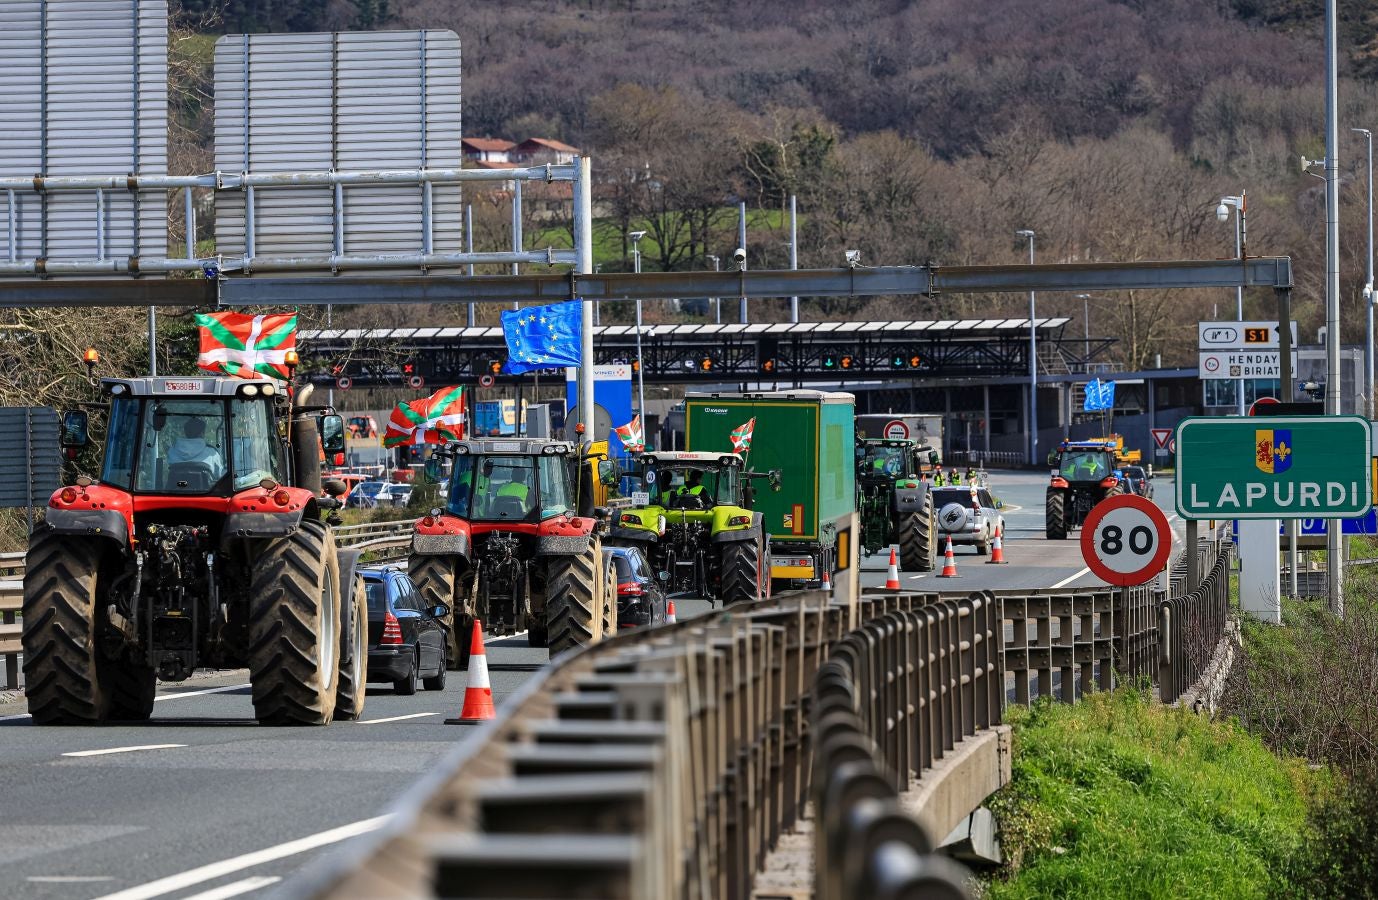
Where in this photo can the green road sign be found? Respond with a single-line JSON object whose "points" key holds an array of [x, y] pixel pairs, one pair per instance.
{"points": [[1284, 467]]}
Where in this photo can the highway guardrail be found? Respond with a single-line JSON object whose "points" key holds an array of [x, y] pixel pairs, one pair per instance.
{"points": [[667, 763], [11, 599]]}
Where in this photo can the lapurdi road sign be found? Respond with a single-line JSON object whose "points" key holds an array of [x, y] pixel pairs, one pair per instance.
{"points": [[1282, 467]]}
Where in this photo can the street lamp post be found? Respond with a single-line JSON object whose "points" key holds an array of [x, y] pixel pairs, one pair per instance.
{"points": [[636, 237], [1033, 358], [1368, 284], [1086, 325], [717, 301], [1241, 231]]}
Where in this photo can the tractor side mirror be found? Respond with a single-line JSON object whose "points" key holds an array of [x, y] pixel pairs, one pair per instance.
{"points": [[334, 487], [608, 473], [332, 434], [76, 431], [1052, 457], [773, 476]]}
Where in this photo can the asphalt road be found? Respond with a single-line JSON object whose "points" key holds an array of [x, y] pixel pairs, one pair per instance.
{"points": [[1034, 561], [201, 803]]}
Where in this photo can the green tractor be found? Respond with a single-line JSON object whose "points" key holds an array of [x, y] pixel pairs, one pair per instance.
{"points": [[895, 502], [695, 525]]}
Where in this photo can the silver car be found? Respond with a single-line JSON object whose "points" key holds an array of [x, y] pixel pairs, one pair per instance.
{"points": [[968, 515]]}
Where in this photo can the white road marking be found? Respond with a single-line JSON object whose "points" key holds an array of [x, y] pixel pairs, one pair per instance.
{"points": [[173, 696], [1066, 581], [916, 577], [69, 879], [238, 863], [108, 750], [215, 690], [224, 892], [398, 718]]}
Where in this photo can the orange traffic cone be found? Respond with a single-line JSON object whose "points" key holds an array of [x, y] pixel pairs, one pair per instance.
{"points": [[670, 614], [478, 692], [827, 581], [997, 550], [892, 576], [949, 562]]}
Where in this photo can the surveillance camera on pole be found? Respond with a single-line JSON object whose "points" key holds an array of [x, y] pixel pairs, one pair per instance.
{"points": [[739, 257]]}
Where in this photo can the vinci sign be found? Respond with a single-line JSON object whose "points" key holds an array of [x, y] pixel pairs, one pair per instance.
{"points": [[1314, 467]]}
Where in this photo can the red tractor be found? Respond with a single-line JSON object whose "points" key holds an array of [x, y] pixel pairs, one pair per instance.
{"points": [[205, 543], [516, 548]]}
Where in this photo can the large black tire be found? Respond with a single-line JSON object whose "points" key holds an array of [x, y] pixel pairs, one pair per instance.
{"points": [[1055, 515], [573, 599], [741, 572], [434, 577], [406, 685], [294, 625], [918, 548], [609, 600], [353, 682], [130, 687], [64, 683]]}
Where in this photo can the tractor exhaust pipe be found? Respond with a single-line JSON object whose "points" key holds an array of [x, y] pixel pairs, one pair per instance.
{"points": [[306, 443]]}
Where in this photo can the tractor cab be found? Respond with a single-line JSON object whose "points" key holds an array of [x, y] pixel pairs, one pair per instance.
{"points": [[512, 481], [692, 481], [886, 459]]}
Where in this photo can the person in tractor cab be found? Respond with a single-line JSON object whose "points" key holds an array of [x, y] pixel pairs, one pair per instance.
{"points": [[192, 448], [692, 488]]}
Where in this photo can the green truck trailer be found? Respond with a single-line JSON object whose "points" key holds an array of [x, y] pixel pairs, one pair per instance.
{"points": [[810, 437]]}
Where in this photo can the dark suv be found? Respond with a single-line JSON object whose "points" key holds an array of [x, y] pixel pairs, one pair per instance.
{"points": [[640, 600], [406, 642]]}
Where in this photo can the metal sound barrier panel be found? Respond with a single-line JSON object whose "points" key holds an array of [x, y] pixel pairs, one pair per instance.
{"points": [[83, 91], [361, 101]]}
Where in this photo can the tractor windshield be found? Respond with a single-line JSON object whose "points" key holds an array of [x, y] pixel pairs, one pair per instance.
{"points": [[878, 459], [509, 488], [717, 485], [1083, 466], [181, 446]]}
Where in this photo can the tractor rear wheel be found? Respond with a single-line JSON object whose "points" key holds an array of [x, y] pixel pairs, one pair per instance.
{"points": [[572, 602], [609, 600], [918, 549], [294, 628], [434, 577], [64, 682], [741, 572], [130, 688], [1055, 515], [349, 694]]}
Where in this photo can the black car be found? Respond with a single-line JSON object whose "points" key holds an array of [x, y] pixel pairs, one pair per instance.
{"points": [[406, 641], [1139, 481], [640, 600]]}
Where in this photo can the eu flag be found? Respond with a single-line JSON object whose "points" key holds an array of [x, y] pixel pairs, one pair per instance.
{"points": [[542, 337], [1099, 395]]}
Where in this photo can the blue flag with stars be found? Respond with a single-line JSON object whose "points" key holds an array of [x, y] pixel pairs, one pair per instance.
{"points": [[542, 337], [1100, 395]]}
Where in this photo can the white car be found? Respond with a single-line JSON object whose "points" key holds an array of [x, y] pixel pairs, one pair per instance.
{"points": [[393, 494], [968, 515]]}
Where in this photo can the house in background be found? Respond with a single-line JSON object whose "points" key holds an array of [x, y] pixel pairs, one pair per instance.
{"points": [[487, 150], [539, 151]]}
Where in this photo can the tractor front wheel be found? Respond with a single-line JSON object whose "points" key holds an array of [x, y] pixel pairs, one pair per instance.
{"points": [[918, 549], [349, 693], [434, 577]]}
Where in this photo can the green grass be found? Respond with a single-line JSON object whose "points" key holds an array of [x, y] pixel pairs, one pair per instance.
{"points": [[1120, 797]]}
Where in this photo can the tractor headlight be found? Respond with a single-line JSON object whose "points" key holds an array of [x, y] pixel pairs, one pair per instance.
{"points": [[739, 520], [249, 390]]}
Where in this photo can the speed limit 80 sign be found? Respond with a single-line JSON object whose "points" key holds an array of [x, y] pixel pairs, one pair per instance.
{"points": [[1126, 540]]}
